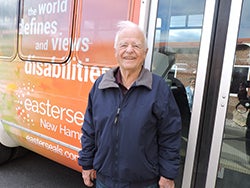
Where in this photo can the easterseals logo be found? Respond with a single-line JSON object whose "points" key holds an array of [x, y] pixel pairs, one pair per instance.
{"points": [[22, 93], [27, 106]]}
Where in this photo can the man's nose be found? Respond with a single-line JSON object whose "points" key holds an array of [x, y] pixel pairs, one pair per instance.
{"points": [[130, 48]]}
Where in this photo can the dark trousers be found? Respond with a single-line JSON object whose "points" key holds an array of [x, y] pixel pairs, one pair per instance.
{"points": [[99, 184]]}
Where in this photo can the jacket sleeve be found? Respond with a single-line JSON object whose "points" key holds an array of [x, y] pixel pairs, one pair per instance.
{"points": [[169, 132], [86, 154]]}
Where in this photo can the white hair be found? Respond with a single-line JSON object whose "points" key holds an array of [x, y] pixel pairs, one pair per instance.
{"points": [[128, 24]]}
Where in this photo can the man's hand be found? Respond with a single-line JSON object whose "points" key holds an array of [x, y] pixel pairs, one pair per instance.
{"points": [[88, 176], [166, 183]]}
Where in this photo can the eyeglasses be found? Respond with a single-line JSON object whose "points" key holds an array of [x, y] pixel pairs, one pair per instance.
{"points": [[134, 46]]}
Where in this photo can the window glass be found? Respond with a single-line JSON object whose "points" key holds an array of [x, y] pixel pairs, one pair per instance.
{"points": [[98, 28], [234, 164], [175, 56], [45, 30], [195, 20], [8, 28], [178, 21]]}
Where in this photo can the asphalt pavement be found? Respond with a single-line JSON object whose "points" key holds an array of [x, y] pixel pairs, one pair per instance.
{"points": [[35, 171]]}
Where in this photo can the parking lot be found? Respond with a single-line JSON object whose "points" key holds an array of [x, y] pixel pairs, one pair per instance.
{"points": [[34, 171]]}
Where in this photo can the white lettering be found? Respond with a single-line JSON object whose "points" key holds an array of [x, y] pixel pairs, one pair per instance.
{"points": [[71, 156], [40, 143], [37, 28], [63, 44], [42, 45], [52, 7], [52, 147], [69, 133], [67, 71], [54, 111], [49, 126]]}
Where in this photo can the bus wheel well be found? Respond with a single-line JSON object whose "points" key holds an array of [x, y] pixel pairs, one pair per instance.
{"points": [[9, 153]]}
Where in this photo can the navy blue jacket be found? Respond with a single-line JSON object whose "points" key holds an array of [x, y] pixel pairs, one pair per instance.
{"points": [[133, 137]]}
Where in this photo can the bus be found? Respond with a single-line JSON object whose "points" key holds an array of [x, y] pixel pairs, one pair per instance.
{"points": [[52, 51]]}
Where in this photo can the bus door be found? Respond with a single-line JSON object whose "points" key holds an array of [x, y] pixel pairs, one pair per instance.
{"points": [[229, 161], [191, 45]]}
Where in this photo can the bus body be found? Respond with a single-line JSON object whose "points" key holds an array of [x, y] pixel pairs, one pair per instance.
{"points": [[44, 89], [52, 51]]}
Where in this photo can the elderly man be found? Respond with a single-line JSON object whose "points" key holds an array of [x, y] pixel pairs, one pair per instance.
{"points": [[132, 125]]}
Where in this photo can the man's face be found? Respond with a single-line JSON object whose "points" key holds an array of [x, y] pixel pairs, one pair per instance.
{"points": [[130, 50]]}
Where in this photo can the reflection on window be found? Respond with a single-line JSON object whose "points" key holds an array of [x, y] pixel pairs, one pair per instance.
{"points": [[195, 20], [45, 30], [187, 21], [158, 23], [245, 21], [184, 35], [181, 29], [8, 28], [177, 21], [240, 74], [176, 50], [99, 30]]}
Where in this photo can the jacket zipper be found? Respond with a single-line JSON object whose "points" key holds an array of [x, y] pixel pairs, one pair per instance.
{"points": [[115, 171], [117, 115]]}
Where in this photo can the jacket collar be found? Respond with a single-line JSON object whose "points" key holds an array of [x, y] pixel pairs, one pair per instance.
{"points": [[108, 80]]}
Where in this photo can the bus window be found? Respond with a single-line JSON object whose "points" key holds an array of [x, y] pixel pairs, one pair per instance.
{"points": [[234, 161], [177, 38], [8, 28], [97, 31], [45, 30]]}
